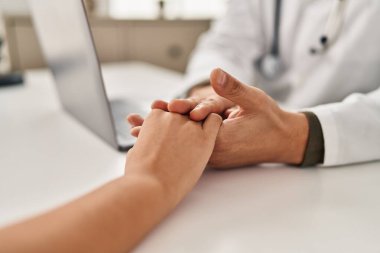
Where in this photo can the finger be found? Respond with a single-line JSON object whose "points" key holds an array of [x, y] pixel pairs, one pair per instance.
{"points": [[135, 131], [135, 120], [160, 104], [233, 114], [212, 124], [183, 106], [230, 88], [215, 104], [228, 112]]}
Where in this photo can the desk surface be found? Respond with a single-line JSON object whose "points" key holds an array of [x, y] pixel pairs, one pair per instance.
{"points": [[47, 158]]}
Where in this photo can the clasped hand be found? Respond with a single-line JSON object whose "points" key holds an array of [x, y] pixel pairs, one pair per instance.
{"points": [[254, 130]]}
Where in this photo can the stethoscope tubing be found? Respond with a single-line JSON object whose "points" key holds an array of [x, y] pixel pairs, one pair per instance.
{"points": [[329, 36]]}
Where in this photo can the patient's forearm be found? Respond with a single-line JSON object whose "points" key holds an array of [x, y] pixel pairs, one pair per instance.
{"points": [[111, 219], [163, 166]]}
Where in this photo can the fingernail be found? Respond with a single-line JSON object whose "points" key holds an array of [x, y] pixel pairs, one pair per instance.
{"points": [[222, 78]]}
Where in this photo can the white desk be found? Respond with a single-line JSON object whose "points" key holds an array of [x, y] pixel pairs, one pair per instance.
{"points": [[47, 158]]}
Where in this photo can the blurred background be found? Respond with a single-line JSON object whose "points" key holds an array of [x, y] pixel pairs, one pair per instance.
{"points": [[159, 32]]}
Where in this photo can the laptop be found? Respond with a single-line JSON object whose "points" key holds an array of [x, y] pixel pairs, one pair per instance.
{"points": [[67, 44]]}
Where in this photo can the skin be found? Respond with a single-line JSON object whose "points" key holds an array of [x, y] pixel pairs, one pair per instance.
{"points": [[255, 129], [164, 165]]}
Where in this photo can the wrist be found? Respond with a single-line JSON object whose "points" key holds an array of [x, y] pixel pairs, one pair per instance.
{"points": [[138, 201], [297, 134], [147, 173]]}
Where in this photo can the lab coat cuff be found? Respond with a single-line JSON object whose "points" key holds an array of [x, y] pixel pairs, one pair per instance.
{"points": [[330, 134]]}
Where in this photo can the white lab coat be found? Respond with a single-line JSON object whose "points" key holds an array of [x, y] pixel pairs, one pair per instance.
{"points": [[318, 82]]}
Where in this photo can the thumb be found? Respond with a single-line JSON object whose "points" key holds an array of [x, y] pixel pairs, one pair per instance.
{"points": [[211, 125], [230, 88]]}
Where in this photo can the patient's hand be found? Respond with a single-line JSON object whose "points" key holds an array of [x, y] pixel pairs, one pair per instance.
{"points": [[173, 149], [257, 130]]}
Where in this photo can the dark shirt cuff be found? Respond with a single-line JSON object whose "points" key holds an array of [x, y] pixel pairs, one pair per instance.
{"points": [[315, 147]]}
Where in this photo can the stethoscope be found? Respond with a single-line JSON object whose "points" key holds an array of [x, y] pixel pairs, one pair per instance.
{"points": [[270, 64]]}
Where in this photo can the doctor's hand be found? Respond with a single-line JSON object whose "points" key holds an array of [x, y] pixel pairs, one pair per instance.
{"points": [[257, 130]]}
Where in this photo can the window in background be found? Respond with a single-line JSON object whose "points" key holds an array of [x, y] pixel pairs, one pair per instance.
{"points": [[174, 9], [14, 6], [8, 7]]}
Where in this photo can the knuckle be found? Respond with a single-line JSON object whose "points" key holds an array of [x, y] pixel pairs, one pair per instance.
{"points": [[212, 100], [174, 116], [205, 104], [214, 103], [201, 104], [194, 100], [155, 113], [261, 99], [261, 95]]}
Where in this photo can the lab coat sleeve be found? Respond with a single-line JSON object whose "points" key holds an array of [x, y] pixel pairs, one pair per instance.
{"points": [[231, 44], [351, 129]]}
